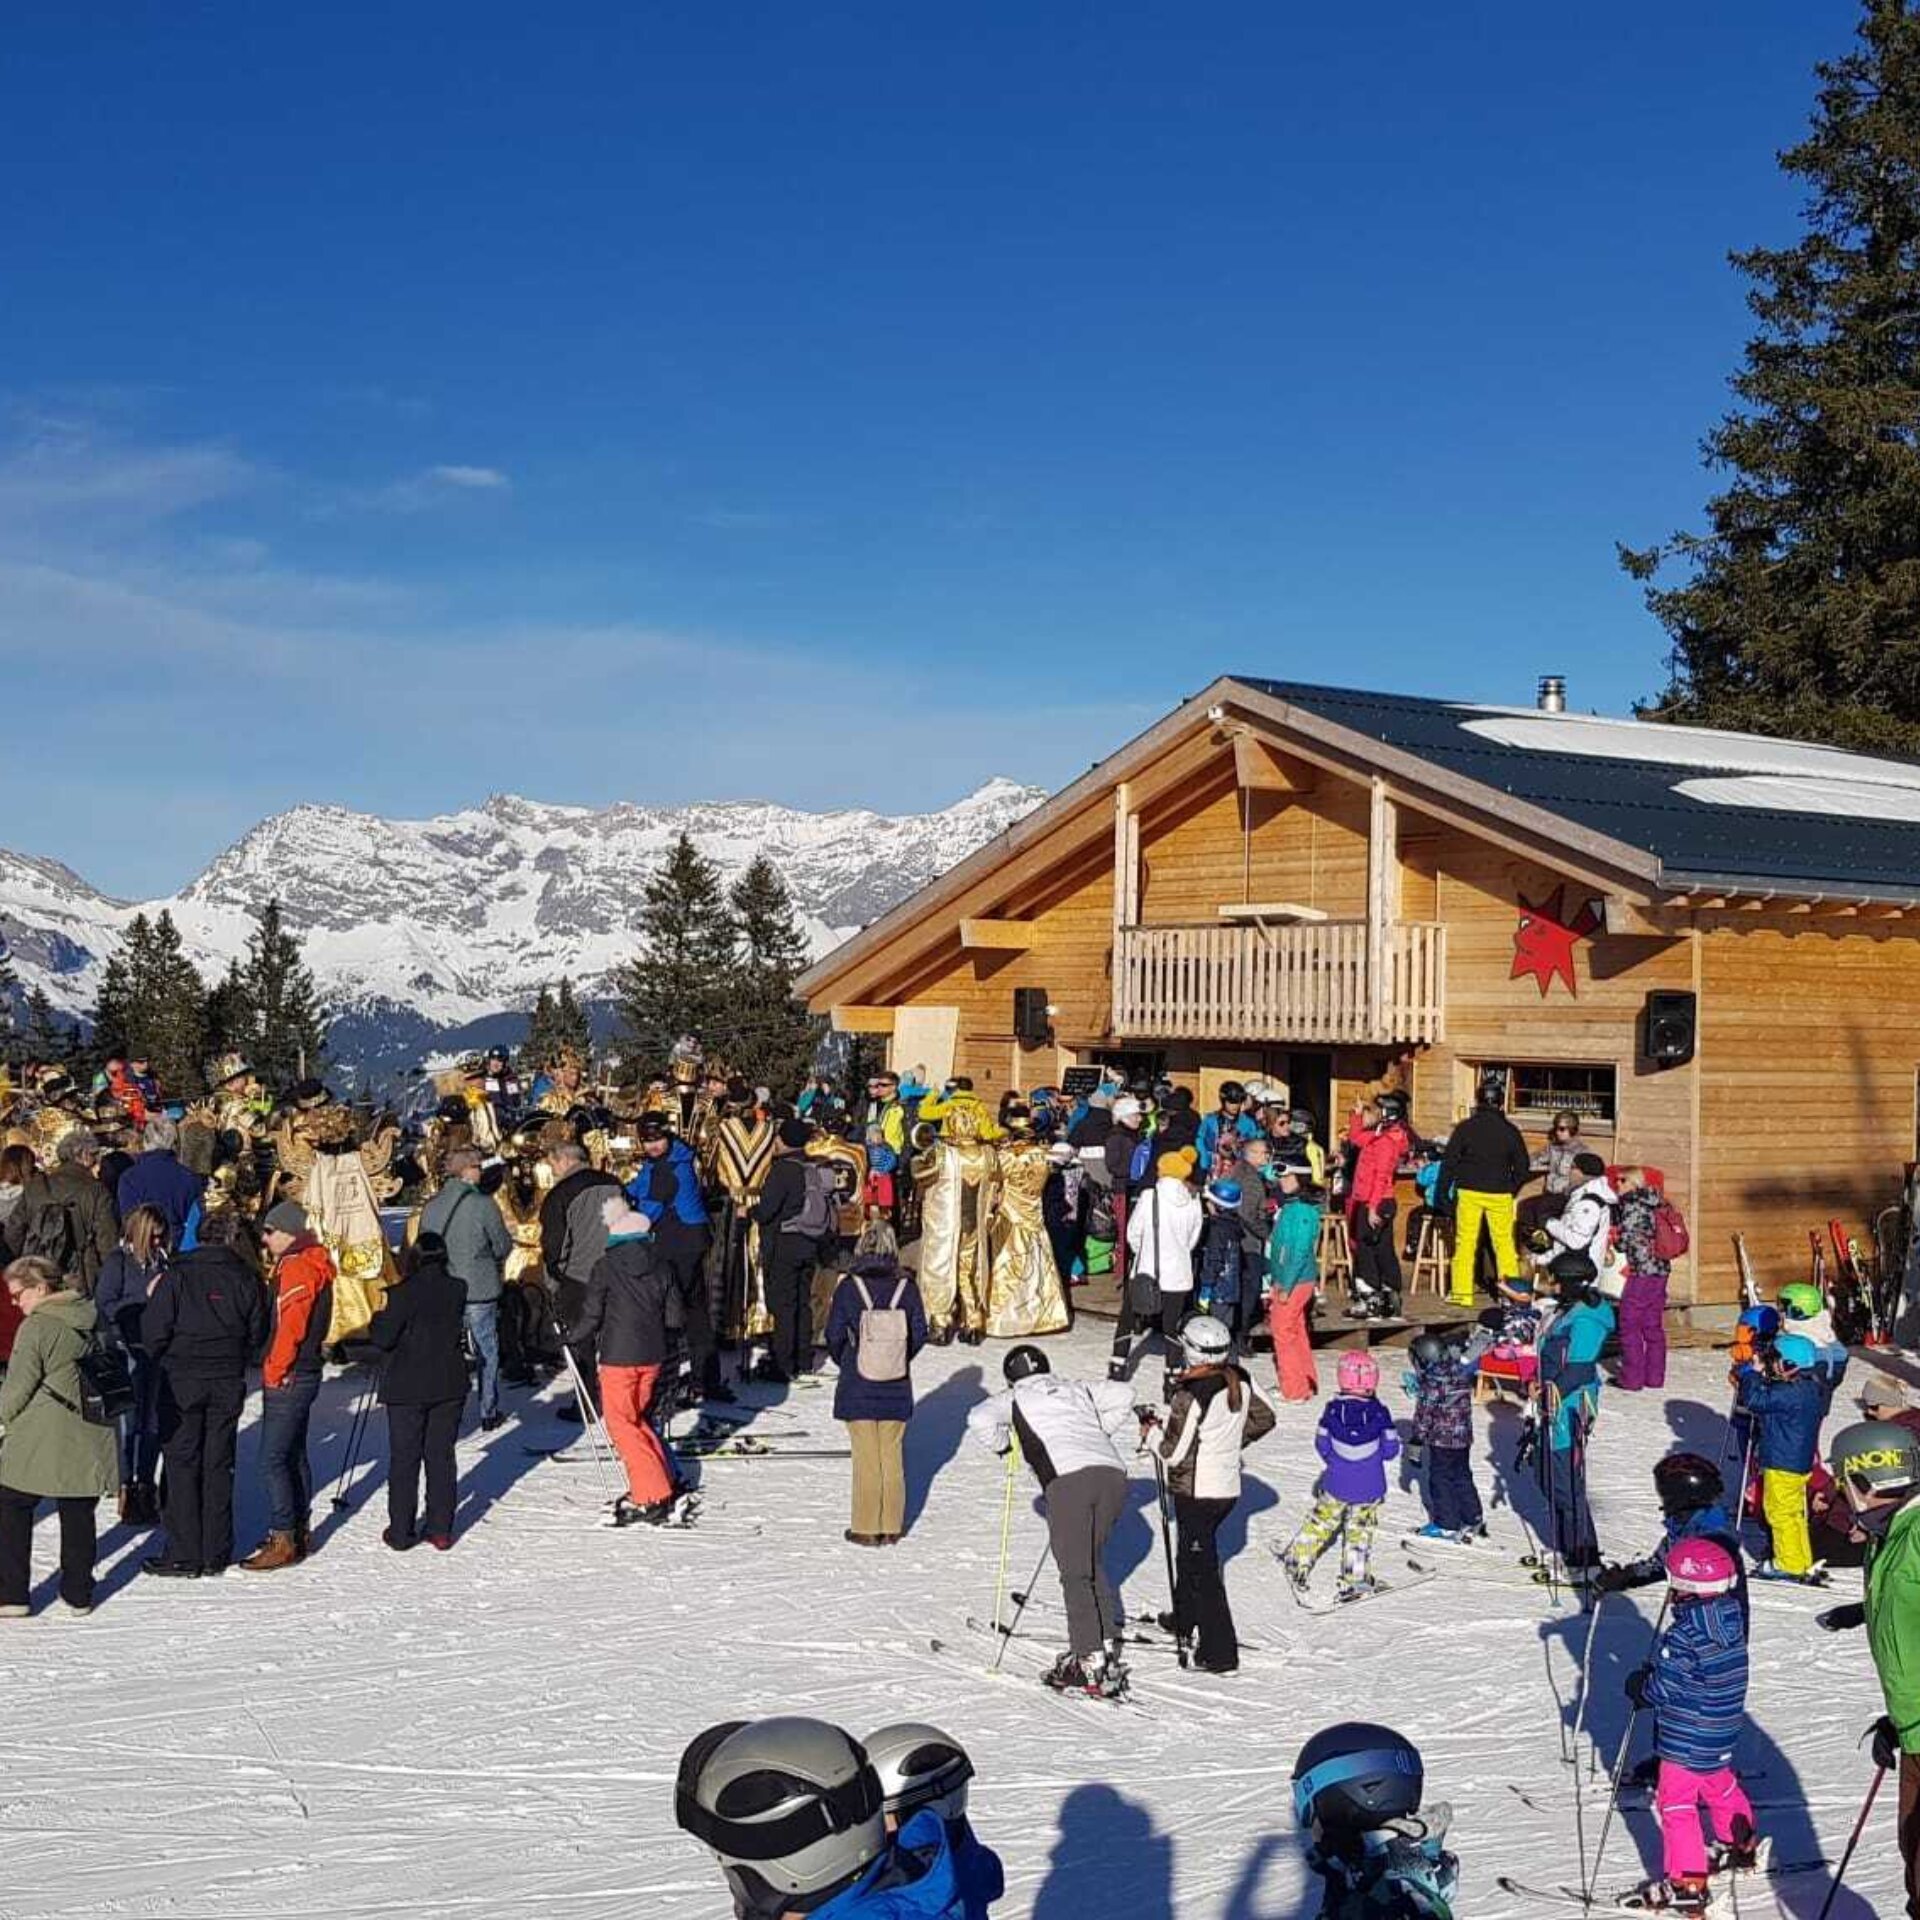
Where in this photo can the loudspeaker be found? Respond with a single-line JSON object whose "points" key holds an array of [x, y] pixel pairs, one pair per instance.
{"points": [[1671, 1019], [1030, 1023]]}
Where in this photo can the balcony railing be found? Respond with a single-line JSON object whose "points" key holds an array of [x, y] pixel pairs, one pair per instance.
{"points": [[1295, 982]]}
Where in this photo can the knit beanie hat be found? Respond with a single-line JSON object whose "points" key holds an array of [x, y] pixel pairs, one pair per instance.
{"points": [[795, 1134]]}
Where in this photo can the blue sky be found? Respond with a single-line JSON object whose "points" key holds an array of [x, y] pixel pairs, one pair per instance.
{"points": [[839, 403]]}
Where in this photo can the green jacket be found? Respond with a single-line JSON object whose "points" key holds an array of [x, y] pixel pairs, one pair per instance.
{"points": [[48, 1449], [1293, 1248], [1893, 1621]]}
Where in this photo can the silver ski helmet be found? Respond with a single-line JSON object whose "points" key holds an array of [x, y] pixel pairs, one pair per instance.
{"points": [[919, 1767], [790, 1807], [1206, 1340], [1876, 1456]]}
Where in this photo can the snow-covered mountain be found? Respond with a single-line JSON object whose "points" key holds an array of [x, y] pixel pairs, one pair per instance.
{"points": [[423, 928]]}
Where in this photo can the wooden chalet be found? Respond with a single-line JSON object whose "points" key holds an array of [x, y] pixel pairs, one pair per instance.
{"points": [[1707, 944]]}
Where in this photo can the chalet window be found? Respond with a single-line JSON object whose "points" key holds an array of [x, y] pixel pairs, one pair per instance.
{"points": [[1536, 1090]]}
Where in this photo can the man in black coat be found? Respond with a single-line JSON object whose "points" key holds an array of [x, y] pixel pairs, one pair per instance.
{"points": [[423, 1386], [572, 1238], [1485, 1165], [788, 1257]]}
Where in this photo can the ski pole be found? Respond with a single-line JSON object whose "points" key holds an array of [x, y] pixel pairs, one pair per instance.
{"points": [[1613, 1801], [1166, 1541], [1006, 1531], [1586, 1683], [1846, 1859], [592, 1431], [1020, 1606], [356, 1432]]}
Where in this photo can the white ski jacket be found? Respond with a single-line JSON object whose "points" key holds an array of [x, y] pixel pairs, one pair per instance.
{"points": [[1583, 1227], [1062, 1425], [1204, 1433], [1162, 1231]]}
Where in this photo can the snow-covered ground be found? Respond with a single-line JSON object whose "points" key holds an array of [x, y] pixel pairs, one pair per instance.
{"points": [[494, 1731]]}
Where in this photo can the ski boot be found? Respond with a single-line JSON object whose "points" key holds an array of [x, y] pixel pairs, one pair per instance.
{"points": [[1433, 1530], [1068, 1674], [1355, 1589], [1687, 1894], [1110, 1677], [1297, 1575], [1746, 1852]]}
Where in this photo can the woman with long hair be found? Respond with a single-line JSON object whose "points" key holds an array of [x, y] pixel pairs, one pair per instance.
{"points": [[127, 1278]]}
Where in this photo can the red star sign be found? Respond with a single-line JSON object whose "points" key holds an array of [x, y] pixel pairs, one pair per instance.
{"points": [[1543, 941]]}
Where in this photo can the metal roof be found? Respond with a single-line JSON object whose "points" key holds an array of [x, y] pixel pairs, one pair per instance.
{"points": [[1721, 809]]}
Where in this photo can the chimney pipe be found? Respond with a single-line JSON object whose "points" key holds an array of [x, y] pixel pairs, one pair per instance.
{"points": [[1553, 693]]}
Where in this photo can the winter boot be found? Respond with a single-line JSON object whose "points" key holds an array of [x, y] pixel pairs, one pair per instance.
{"points": [[276, 1551], [1684, 1894], [1109, 1678], [1746, 1852], [1066, 1675]]}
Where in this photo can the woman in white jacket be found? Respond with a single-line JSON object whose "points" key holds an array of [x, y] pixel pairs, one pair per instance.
{"points": [[1164, 1227]]}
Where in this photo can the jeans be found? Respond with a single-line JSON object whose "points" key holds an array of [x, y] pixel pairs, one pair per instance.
{"points": [[284, 1413], [77, 1543], [140, 1429], [483, 1328]]}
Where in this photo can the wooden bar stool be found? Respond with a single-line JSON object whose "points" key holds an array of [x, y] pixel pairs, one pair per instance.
{"points": [[1433, 1256], [1336, 1251]]}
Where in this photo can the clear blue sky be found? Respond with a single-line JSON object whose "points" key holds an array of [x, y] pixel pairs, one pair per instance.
{"points": [[840, 403]]}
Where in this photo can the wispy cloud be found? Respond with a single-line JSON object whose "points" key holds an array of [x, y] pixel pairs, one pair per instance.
{"points": [[61, 475], [477, 479], [422, 492]]}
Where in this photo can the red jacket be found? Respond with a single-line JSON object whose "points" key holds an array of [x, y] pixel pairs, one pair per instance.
{"points": [[10, 1319], [302, 1312], [1379, 1162]]}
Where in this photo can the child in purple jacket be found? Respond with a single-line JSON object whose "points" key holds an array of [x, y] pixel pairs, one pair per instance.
{"points": [[1356, 1440]]}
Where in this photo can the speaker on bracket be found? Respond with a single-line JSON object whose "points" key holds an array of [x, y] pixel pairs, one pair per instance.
{"points": [[1032, 1024], [1671, 1020]]}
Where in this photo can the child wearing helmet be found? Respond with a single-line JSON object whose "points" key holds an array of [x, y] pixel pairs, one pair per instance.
{"points": [[1218, 1292], [1214, 1413], [1442, 1388], [1693, 1503], [923, 1777], [1784, 1399], [1696, 1686], [1803, 1310], [1570, 1378], [1356, 1439], [1356, 1793]]}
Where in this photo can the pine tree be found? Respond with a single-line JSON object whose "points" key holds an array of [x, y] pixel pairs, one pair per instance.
{"points": [[113, 1010], [680, 980], [9, 986], [229, 1020], [1801, 613], [167, 1023], [558, 1023], [47, 1038], [765, 1034], [284, 1027]]}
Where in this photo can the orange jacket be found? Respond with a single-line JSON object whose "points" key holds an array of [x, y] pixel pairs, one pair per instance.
{"points": [[302, 1309]]}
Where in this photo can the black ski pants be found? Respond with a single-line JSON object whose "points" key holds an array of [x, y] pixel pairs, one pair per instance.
{"points": [[1376, 1261], [199, 1418], [685, 1252], [422, 1436], [1199, 1589], [1167, 1315], [78, 1540], [791, 1259]]}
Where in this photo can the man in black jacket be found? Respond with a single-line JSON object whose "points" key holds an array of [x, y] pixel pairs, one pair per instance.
{"points": [[788, 1256], [572, 1237], [1485, 1165], [423, 1386]]}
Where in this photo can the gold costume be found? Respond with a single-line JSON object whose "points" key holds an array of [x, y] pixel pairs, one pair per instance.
{"points": [[1025, 1295], [743, 1151], [341, 1182], [955, 1180]]}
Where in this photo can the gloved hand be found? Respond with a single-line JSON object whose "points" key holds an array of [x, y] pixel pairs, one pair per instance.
{"points": [[1886, 1742], [1610, 1579], [1842, 1619], [1638, 1681], [1540, 1240], [1416, 1452]]}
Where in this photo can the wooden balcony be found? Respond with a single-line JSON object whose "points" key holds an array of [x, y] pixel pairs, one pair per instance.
{"points": [[1309, 982]]}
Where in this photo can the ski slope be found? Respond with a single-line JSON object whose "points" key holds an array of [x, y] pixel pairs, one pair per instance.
{"points": [[494, 1731]]}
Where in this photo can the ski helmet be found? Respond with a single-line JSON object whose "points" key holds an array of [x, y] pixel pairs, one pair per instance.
{"points": [[790, 1807], [1795, 1350], [1232, 1094], [1358, 1373], [919, 1766], [1765, 1321], [1801, 1300], [1701, 1569], [1427, 1351], [1877, 1456], [1493, 1090], [1392, 1104], [1206, 1339], [1686, 1482], [1022, 1363], [1354, 1777]]}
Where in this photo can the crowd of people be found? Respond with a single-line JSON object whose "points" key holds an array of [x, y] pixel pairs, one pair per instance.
{"points": [[660, 1244]]}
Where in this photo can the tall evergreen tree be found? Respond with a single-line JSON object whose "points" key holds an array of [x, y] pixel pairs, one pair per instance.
{"points": [[558, 1022], [285, 1031], [9, 988], [47, 1036], [765, 1034], [167, 1023], [113, 1010], [680, 980], [1800, 614], [229, 1024]]}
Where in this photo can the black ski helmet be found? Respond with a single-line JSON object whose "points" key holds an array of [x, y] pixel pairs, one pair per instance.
{"points": [[1493, 1090], [1686, 1482], [1022, 1363], [1427, 1351], [1392, 1104], [1354, 1777]]}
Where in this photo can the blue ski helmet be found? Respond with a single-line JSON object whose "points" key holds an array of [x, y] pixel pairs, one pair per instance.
{"points": [[1797, 1351]]}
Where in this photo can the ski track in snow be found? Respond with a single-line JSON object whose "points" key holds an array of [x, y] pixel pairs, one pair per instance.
{"points": [[495, 1731]]}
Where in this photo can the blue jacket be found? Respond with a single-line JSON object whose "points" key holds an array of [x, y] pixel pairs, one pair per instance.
{"points": [[1789, 1414], [855, 1397], [120, 1294], [916, 1879], [982, 1878], [1570, 1362], [1356, 1439], [157, 1179], [1208, 1144], [1699, 1687], [670, 1184]]}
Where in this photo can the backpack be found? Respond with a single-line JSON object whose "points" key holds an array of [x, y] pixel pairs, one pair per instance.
{"points": [[1670, 1239], [881, 1352], [52, 1235], [1141, 1164], [819, 1207], [106, 1385]]}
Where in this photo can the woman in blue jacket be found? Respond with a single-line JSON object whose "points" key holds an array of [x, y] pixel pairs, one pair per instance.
{"points": [[1570, 1382], [876, 1412]]}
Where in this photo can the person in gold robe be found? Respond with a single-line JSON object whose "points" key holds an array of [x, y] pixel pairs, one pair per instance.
{"points": [[341, 1179], [954, 1174], [1025, 1292], [736, 1295]]}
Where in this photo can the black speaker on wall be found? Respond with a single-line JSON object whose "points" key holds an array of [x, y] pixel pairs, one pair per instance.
{"points": [[1030, 1024], [1672, 1020]]}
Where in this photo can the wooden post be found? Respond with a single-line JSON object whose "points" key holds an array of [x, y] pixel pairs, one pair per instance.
{"points": [[1383, 904], [1126, 907]]}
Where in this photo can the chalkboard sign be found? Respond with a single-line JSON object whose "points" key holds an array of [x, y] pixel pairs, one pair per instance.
{"points": [[1076, 1082]]}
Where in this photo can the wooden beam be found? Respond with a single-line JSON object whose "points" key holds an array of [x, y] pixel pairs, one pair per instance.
{"points": [[863, 1019], [1383, 894], [1258, 766], [998, 936]]}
